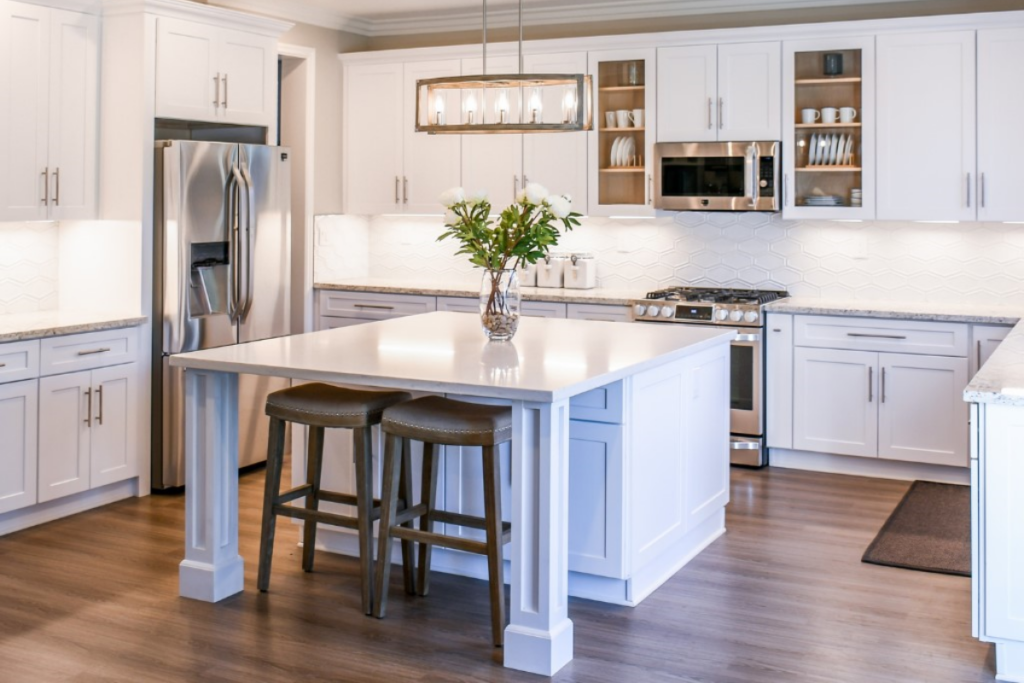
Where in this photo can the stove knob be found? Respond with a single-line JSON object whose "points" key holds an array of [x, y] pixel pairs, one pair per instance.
{"points": [[736, 316], [751, 316], [722, 314], [667, 311], [639, 309]]}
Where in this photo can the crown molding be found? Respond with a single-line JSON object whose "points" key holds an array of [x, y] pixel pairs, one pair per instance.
{"points": [[551, 13], [195, 11], [83, 6]]}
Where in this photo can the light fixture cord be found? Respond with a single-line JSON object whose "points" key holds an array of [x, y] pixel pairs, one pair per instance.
{"points": [[485, 37], [520, 37]]}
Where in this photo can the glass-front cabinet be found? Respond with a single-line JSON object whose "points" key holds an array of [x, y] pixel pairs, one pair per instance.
{"points": [[829, 129], [622, 142]]}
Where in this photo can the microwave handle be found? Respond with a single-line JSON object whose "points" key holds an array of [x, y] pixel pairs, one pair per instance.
{"points": [[755, 190]]}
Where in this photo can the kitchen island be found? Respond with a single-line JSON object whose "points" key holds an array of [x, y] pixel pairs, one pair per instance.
{"points": [[664, 388]]}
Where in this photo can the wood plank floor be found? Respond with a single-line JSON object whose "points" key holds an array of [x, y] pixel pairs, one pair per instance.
{"points": [[781, 597]]}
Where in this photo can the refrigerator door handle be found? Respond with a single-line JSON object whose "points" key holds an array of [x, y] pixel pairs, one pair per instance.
{"points": [[250, 239], [234, 242]]}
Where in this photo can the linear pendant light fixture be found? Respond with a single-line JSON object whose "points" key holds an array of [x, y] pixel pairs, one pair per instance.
{"points": [[488, 103]]}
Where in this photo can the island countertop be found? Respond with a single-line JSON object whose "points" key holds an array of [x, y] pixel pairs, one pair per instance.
{"points": [[548, 360]]}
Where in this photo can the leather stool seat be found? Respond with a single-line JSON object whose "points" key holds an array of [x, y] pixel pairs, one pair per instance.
{"points": [[323, 405], [435, 419]]}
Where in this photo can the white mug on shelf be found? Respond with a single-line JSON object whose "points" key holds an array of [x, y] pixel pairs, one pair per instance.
{"points": [[847, 114], [622, 118], [809, 115], [609, 119], [637, 117], [829, 114]]}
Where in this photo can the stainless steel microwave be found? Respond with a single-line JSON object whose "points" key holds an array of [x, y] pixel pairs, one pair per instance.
{"points": [[717, 176]]}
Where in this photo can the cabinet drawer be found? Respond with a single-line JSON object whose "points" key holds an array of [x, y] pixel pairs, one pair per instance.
{"points": [[542, 309], [603, 404], [19, 360], [87, 351], [373, 306], [867, 334], [618, 314]]}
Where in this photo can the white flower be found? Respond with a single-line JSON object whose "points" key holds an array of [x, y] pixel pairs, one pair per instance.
{"points": [[451, 197], [535, 193], [521, 197], [560, 206], [478, 197], [451, 218]]}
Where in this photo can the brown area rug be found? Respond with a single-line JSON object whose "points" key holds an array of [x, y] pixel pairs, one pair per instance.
{"points": [[930, 531]]}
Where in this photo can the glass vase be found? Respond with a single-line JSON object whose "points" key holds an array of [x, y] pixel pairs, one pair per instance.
{"points": [[499, 304]]}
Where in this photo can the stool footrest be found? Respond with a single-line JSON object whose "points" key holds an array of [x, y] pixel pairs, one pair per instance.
{"points": [[293, 494], [454, 542], [340, 498], [404, 516], [317, 516], [472, 522]]}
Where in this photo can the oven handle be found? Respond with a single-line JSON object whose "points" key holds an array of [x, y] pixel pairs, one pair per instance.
{"points": [[747, 338], [744, 446]]}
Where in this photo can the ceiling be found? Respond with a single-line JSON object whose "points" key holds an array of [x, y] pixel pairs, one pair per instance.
{"points": [[402, 17]]}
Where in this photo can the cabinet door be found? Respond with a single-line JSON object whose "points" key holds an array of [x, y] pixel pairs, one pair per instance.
{"points": [[922, 416], [596, 488], [431, 163], [493, 162], [74, 46], [187, 82], [558, 162], [926, 126], [778, 383], [248, 71], [1000, 135], [66, 406], [687, 93], [750, 91], [985, 338], [24, 72], [19, 403], [834, 406], [114, 450], [373, 138]]}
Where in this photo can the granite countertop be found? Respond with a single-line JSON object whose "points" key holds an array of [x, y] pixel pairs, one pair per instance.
{"points": [[24, 326], [1001, 379], [903, 310], [617, 297]]}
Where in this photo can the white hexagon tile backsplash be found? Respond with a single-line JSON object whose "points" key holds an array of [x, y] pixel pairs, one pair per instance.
{"points": [[28, 267], [966, 262]]}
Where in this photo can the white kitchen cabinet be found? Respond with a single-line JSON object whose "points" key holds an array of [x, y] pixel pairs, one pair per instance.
{"points": [[926, 126], [778, 389], [493, 162], [611, 313], [114, 436], [559, 161], [596, 499], [431, 163], [834, 409], [1000, 135], [724, 92], [529, 309], [48, 113], [18, 447], [984, 341], [213, 73]]}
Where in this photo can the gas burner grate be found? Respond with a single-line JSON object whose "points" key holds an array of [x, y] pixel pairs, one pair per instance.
{"points": [[719, 295]]}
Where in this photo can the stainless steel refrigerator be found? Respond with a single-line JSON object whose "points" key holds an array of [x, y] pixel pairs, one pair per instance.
{"points": [[221, 276]]}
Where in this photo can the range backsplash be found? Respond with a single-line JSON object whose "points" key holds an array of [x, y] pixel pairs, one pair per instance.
{"points": [[28, 267], [962, 262]]}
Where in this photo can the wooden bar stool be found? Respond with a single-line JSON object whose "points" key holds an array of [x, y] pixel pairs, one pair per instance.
{"points": [[322, 406], [435, 420]]}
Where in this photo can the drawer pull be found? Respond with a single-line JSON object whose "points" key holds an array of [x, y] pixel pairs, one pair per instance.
{"points": [[379, 307], [875, 336], [92, 352], [4, 365]]}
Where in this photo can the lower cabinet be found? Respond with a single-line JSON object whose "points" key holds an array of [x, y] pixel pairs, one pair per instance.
{"points": [[19, 427], [834, 407]]}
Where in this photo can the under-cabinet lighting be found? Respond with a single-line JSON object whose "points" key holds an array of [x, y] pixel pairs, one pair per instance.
{"points": [[847, 220], [1013, 222], [939, 222], [633, 218]]}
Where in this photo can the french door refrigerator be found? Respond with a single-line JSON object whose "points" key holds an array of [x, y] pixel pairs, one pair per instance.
{"points": [[222, 255]]}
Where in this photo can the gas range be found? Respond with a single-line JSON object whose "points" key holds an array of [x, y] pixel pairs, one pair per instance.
{"points": [[706, 305]]}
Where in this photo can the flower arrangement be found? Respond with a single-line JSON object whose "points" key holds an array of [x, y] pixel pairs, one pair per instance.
{"points": [[523, 233]]}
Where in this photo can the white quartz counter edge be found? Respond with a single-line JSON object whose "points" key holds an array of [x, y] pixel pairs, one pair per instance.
{"points": [[611, 297], [26, 326]]}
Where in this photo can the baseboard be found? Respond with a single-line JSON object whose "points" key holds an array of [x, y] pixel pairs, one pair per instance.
{"points": [[30, 516], [866, 467]]}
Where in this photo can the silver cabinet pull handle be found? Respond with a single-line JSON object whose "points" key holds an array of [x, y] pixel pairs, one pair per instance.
{"points": [[46, 185], [99, 393], [978, 351], [968, 190], [721, 103], [871, 384], [56, 191], [881, 391], [92, 352], [225, 79], [397, 181], [515, 186], [88, 416], [650, 189], [216, 90], [710, 120], [4, 365], [785, 189], [379, 307], [981, 197], [405, 190], [875, 336], [776, 329]]}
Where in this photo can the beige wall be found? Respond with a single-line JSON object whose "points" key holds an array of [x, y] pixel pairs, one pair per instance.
{"points": [[328, 44], [916, 8]]}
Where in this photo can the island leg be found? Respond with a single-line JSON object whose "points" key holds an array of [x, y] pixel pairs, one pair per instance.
{"points": [[539, 636], [212, 569]]}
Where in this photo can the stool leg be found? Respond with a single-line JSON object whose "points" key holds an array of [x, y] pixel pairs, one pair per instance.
{"points": [[314, 459], [405, 493], [388, 510], [363, 445], [275, 458], [492, 520], [428, 493]]}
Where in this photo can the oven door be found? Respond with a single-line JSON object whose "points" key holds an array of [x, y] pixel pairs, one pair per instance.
{"points": [[746, 416], [715, 176]]}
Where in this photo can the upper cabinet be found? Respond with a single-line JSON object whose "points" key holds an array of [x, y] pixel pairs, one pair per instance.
{"points": [[621, 174], [926, 127], [210, 73], [1000, 135], [724, 92], [48, 113], [828, 141], [492, 162]]}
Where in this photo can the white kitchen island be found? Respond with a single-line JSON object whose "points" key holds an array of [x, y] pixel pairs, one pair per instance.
{"points": [[668, 385]]}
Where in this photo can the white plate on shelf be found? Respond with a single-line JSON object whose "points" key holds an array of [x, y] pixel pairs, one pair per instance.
{"points": [[627, 151], [849, 151], [834, 150], [826, 150], [614, 156], [812, 150], [840, 150]]}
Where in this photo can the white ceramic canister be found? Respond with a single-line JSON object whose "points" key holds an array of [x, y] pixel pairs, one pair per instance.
{"points": [[527, 275], [581, 271], [550, 270]]}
